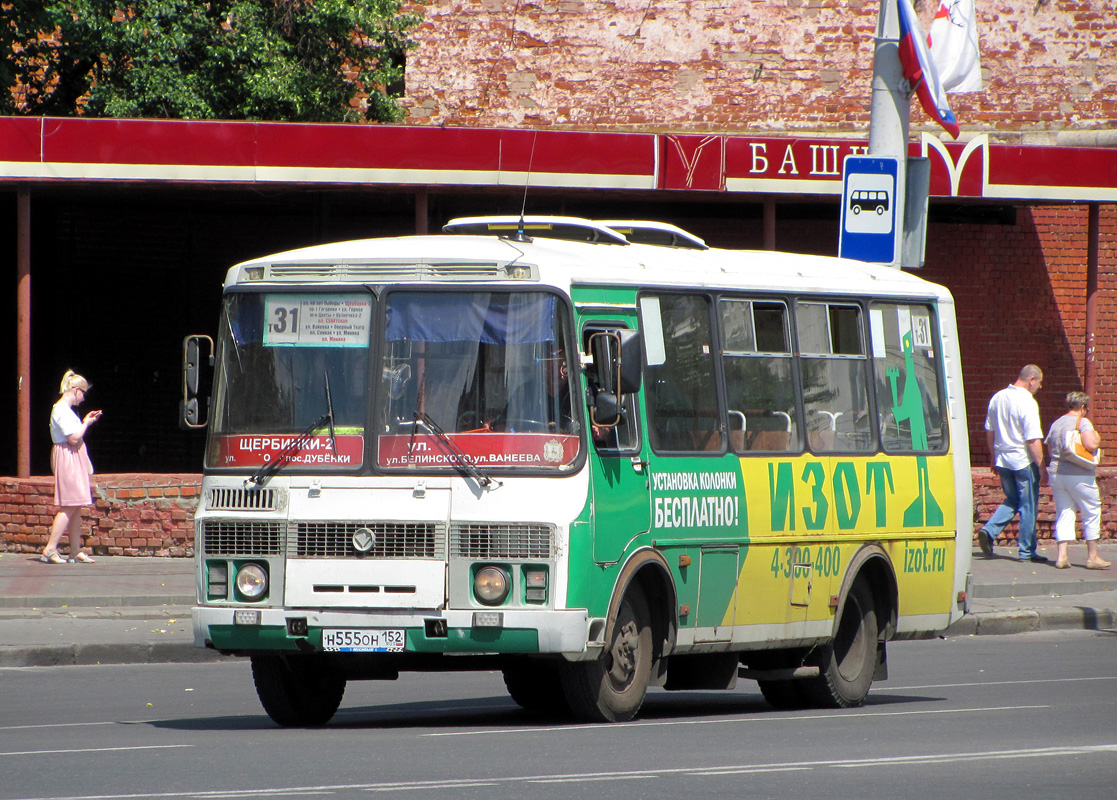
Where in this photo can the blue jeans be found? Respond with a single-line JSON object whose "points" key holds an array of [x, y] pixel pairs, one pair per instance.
{"points": [[1021, 488]]}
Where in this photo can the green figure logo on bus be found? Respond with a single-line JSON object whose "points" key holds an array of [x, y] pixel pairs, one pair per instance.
{"points": [[925, 509]]}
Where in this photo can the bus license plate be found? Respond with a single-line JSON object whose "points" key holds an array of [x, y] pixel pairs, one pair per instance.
{"points": [[362, 640]]}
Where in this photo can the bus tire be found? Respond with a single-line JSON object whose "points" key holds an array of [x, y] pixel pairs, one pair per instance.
{"points": [[612, 687], [784, 695], [848, 662], [297, 691], [536, 687]]}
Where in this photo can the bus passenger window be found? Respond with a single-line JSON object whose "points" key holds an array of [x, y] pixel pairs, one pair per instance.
{"points": [[906, 372], [680, 391], [760, 388], [834, 372]]}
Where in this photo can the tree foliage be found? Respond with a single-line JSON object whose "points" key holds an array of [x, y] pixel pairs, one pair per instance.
{"points": [[296, 60]]}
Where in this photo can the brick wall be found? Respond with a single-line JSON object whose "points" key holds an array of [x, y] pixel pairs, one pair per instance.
{"points": [[1020, 292], [131, 515], [987, 496], [741, 65]]}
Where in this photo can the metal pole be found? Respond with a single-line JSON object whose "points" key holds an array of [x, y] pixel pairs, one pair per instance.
{"points": [[890, 111], [1092, 226], [23, 333]]}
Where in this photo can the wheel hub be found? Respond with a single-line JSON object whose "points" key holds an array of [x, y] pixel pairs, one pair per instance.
{"points": [[623, 653]]}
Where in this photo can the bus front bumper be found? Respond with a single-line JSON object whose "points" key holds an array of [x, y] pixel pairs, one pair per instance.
{"points": [[260, 630]]}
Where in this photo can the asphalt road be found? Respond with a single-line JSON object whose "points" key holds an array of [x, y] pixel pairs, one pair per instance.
{"points": [[1014, 717]]}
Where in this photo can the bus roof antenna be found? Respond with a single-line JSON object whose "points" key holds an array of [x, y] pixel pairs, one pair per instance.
{"points": [[519, 235]]}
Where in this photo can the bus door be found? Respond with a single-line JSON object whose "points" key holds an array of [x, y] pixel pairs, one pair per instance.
{"points": [[621, 503]]}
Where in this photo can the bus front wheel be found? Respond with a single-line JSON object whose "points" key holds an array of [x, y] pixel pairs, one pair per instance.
{"points": [[536, 687], [297, 691], [612, 688], [848, 662]]}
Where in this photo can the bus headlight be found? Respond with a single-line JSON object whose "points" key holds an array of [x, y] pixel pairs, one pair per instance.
{"points": [[252, 581], [490, 585]]}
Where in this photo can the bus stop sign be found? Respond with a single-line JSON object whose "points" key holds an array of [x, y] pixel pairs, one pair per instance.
{"points": [[868, 230]]}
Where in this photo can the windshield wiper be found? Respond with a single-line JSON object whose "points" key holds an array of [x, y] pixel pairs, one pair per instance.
{"points": [[464, 461], [261, 475], [329, 411]]}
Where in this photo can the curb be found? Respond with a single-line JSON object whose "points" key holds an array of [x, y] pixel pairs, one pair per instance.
{"points": [[994, 623], [94, 654], [95, 601]]}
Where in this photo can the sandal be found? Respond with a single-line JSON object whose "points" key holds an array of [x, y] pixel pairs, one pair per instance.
{"points": [[82, 558], [53, 557]]}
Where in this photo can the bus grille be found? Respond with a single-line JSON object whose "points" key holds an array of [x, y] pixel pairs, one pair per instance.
{"points": [[501, 540], [393, 540], [241, 499], [226, 538]]}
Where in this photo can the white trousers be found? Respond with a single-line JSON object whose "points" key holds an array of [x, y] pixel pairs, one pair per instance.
{"points": [[1071, 492]]}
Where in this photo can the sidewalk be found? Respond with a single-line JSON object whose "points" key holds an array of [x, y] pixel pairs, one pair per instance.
{"points": [[137, 610]]}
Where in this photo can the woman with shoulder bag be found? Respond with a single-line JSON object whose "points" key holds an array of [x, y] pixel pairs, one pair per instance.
{"points": [[1073, 481]]}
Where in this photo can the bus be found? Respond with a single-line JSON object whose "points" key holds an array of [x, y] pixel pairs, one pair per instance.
{"points": [[596, 465]]}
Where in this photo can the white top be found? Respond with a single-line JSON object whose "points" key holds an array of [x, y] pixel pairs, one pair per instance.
{"points": [[1056, 438], [1013, 418], [63, 422]]}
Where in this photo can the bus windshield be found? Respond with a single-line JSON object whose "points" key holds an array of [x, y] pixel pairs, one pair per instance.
{"points": [[287, 362], [467, 379], [488, 369]]}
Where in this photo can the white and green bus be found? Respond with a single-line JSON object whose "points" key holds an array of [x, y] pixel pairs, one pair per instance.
{"points": [[597, 458]]}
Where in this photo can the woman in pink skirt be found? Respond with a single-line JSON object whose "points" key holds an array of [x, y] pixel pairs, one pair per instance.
{"points": [[69, 461]]}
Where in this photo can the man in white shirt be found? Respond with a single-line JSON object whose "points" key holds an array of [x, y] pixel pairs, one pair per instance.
{"points": [[1015, 440]]}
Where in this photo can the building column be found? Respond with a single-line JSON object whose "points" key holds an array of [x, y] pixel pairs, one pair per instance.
{"points": [[769, 223], [23, 333], [422, 222]]}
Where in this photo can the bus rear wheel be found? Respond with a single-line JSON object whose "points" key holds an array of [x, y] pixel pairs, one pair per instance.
{"points": [[297, 691], [612, 687], [846, 665]]}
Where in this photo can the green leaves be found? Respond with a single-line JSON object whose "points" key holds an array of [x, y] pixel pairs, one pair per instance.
{"points": [[294, 60]]}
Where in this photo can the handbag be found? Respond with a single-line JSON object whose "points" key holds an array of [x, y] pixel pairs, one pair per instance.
{"points": [[1074, 452]]}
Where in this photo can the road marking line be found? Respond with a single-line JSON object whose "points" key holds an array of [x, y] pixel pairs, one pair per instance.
{"points": [[93, 749], [1000, 683], [729, 720], [513, 780], [53, 725]]}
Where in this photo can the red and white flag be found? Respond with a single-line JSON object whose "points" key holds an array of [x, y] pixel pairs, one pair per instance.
{"points": [[920, 72], [953, 43]]}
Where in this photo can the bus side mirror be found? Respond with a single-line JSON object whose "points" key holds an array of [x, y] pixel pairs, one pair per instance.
{"points": [[606, 410], [190, 406], [631, 354], [616, 361]]}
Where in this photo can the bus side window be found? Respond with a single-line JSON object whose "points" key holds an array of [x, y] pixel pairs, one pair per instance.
{"points": [[680, 390], [760, 389], [907, 377], [833, 369]]}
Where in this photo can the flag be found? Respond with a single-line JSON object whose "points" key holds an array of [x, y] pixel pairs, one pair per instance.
{"points": [[953, 43], [920, 72]]}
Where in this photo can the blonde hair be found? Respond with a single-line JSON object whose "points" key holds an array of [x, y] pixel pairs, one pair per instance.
{"points": [[71, 380]]}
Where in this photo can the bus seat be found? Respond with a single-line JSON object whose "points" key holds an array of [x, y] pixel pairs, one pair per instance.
{"points": [[771, 440]]}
